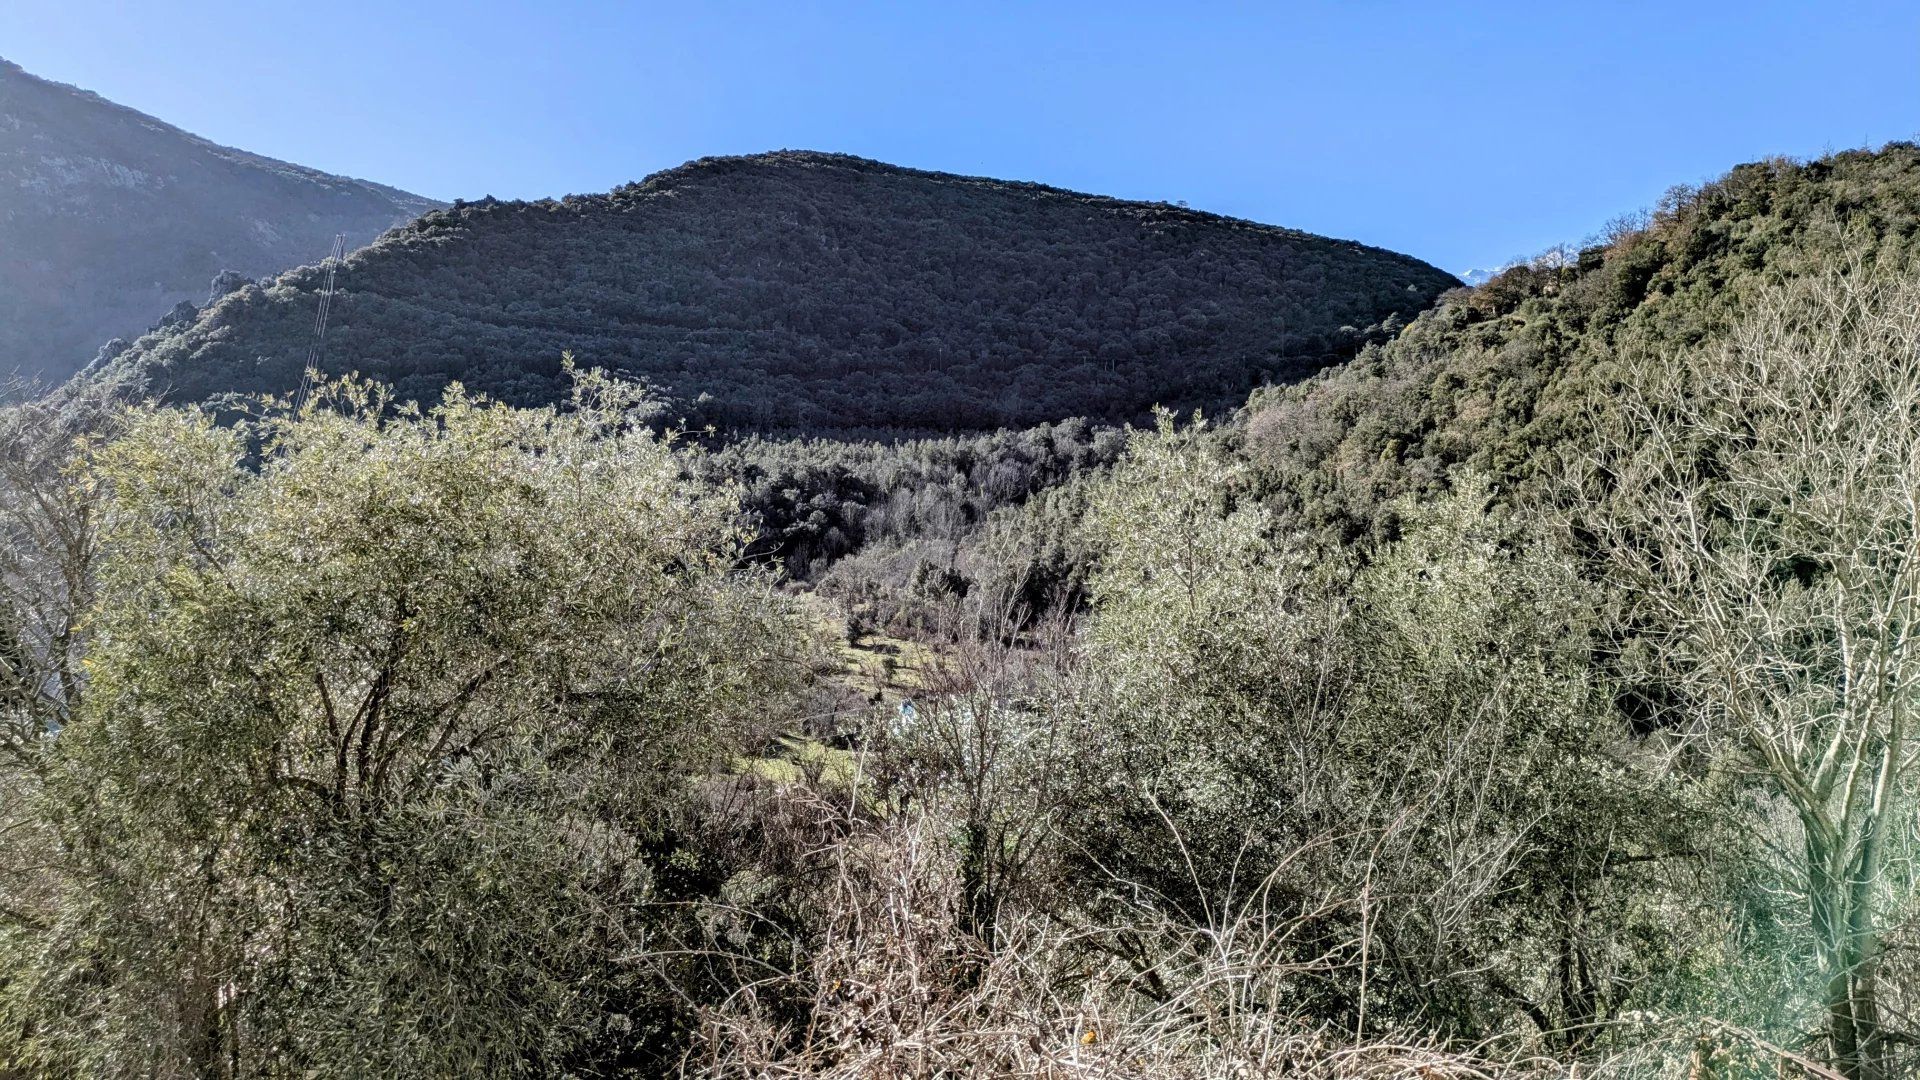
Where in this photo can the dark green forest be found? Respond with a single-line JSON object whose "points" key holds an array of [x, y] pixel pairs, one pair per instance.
{"points": [[1517, 684], [817, 294], [1491, 382], [1495, 379]]}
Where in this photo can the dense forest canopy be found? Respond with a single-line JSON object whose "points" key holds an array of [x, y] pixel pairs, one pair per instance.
{"points": [[113, 217], [1497, 378], [818, 293], [1495, 381]]}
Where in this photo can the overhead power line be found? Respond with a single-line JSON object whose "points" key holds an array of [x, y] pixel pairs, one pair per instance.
{"points": [[317, 344]]}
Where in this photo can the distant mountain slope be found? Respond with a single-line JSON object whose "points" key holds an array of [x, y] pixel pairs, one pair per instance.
{"points": [[1503, 379], [109, 217], [812, 292]]}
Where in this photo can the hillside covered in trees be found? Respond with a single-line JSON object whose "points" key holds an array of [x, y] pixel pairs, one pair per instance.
{"points": [[1529, 697], [815, 293], [1499, 379], [112, 217]]}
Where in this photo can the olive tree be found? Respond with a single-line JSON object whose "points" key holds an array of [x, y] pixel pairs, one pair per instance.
{"points": [[1214, 663], [1403, 746], [388, 719], [1529, 846], [48, 545]]}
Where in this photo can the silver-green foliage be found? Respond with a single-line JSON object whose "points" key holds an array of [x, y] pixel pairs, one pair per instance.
{"points": [[384, 711], [1412, 751]]}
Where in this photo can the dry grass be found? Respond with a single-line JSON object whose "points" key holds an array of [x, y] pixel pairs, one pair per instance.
{"points": [[897, 990]]}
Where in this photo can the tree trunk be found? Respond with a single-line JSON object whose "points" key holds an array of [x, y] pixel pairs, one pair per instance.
{"points": [[1843, 1043], [1869, 1045]]}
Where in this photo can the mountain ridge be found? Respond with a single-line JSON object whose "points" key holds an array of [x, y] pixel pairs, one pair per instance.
{"points": [[796, 290], [120, 216]]}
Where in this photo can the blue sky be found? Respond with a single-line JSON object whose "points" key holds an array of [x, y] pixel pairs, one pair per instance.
{"points": [[1466, 134]]}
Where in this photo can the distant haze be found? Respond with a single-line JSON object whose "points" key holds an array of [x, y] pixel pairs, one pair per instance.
{"points": [[113, 217]]}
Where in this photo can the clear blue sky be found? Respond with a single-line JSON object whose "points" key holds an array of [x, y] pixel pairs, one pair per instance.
{"points": [[1465, 133]]}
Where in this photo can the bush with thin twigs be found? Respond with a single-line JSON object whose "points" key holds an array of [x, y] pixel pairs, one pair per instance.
{"points": [[896, 988]]}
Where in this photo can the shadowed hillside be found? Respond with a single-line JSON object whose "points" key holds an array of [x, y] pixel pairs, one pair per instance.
{"points": [[820, 293], [109, 217]]}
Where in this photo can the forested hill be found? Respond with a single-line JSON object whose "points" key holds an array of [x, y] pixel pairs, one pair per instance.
{"points": [[109, 217], [1506, 380], [807, 292]]}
